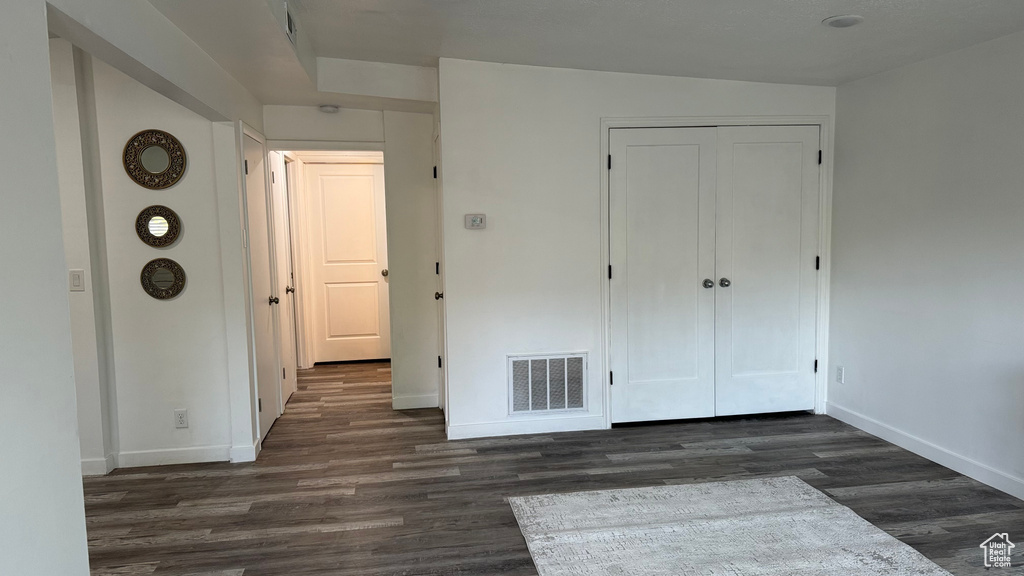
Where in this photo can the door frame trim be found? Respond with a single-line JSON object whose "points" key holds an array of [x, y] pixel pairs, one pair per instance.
{"points": [[825, 128]]}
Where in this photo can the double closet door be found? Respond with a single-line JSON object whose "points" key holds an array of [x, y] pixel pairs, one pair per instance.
{"points": [[714, 238]]}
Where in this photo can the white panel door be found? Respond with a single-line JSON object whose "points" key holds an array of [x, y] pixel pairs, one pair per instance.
{"points": [[350, 259], [284, 287], [264, 312], [662, 217], [767, 242]]}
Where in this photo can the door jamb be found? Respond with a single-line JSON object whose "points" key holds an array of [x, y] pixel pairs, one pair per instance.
{"points": [[825, 126]]}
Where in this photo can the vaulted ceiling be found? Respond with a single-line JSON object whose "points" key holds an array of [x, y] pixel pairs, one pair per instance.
{"points": [[757, 40]]}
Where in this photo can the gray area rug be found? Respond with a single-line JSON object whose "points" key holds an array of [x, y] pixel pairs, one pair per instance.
{"points": [[763, 527]]}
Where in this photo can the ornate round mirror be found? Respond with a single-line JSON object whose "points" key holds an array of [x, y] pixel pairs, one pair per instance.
{"points": [[163, 278], [154, 159], [158, 226]]}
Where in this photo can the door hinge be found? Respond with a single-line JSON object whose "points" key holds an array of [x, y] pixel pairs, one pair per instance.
{"points": [[435, 171], [611, 378], [259, 401], [609, 161], [439, 362], [815, 365], [284, 373], [817, 262], [819, 156], [437, 268], [273, 178], [246, 167], [609, 271]]}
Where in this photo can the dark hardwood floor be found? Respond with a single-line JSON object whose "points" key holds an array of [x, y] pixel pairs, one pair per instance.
{"points": [[346, 486]]}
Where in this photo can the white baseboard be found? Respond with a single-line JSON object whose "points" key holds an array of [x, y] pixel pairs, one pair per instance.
{"points": [[981, 472], [174, 456], [244, 453], [98, 466], [414, 402], [514, 426]]}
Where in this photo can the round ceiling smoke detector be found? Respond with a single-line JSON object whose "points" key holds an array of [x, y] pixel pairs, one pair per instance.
{"points": [[844, 21], [329, 108]]}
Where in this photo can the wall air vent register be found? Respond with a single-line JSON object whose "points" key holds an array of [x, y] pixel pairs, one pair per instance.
{"points": [[547, 383]]}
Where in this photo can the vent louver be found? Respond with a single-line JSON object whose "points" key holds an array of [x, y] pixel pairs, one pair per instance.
{"points": [[547, 383]]}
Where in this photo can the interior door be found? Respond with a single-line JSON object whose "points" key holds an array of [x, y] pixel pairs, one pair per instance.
{"points": [[284, 278], [264, 312], [350, 260], [662, 217], [767, 242], [442, 337]]}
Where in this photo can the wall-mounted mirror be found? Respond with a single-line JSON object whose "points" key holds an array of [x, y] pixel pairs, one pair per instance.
{"points": [[163, 278], [154, 159], [158, 226]]}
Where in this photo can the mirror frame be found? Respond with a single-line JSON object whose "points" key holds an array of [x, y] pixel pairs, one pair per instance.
{"points": [[173, 226], [177, 161], [162, 293]]}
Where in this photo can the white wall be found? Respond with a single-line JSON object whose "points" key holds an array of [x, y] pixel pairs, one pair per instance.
{"points": [[137, 39], [928, 259], [522, 144], [167, 354], [407, 141], [90, 376], [42, 518]]}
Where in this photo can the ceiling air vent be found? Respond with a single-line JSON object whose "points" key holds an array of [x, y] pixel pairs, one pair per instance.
{"points": [[547, 383], [289, 25]]}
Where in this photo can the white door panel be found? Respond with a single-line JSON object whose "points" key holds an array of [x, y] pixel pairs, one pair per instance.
{"points": [[732, 204], [662, 227], [767, 241], [261, 255], [285, 279], [349, 252]]}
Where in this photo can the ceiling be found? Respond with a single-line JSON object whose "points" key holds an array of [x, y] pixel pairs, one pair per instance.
{"points": [[757, 40]]}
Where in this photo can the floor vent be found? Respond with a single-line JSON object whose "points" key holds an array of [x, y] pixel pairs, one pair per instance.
{"points": [[547, 383]]}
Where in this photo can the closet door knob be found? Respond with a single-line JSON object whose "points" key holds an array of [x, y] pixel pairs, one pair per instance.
{"points": [[274, 300], [384, 272], [438, 295], [709, 283], [724, 283]]}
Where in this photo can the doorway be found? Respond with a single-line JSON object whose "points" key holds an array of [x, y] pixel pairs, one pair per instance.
{"points": [[365, 265], [713, 242]]}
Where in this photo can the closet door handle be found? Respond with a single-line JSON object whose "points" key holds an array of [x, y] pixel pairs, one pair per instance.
{"points": [[274, 300], [438, 295], [724, 283], [709, 283]]}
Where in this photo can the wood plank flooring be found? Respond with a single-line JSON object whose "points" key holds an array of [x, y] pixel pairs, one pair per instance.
{"points": [[346, 486]]}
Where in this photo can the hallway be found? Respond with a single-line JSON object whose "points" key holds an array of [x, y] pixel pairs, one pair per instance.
{"points": [[346, 486]]}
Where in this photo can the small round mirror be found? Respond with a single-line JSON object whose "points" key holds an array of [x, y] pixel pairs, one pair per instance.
{"points": [[154, 159], [158, 226], [163, 278]]}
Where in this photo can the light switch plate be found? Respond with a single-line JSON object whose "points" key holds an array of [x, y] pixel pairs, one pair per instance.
{"points": [[476, 221], [76, 280]]}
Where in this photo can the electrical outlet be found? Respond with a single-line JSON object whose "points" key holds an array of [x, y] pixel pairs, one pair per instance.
{"points": [[181, 418], [840, 375]]}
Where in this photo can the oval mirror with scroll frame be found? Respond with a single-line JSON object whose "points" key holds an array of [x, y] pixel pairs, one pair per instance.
{"points": [[163, 278], [158, 226], [154, 159]]}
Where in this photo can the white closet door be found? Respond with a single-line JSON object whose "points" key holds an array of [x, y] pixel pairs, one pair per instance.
{"points": [[662, 216], [767, 241]]}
